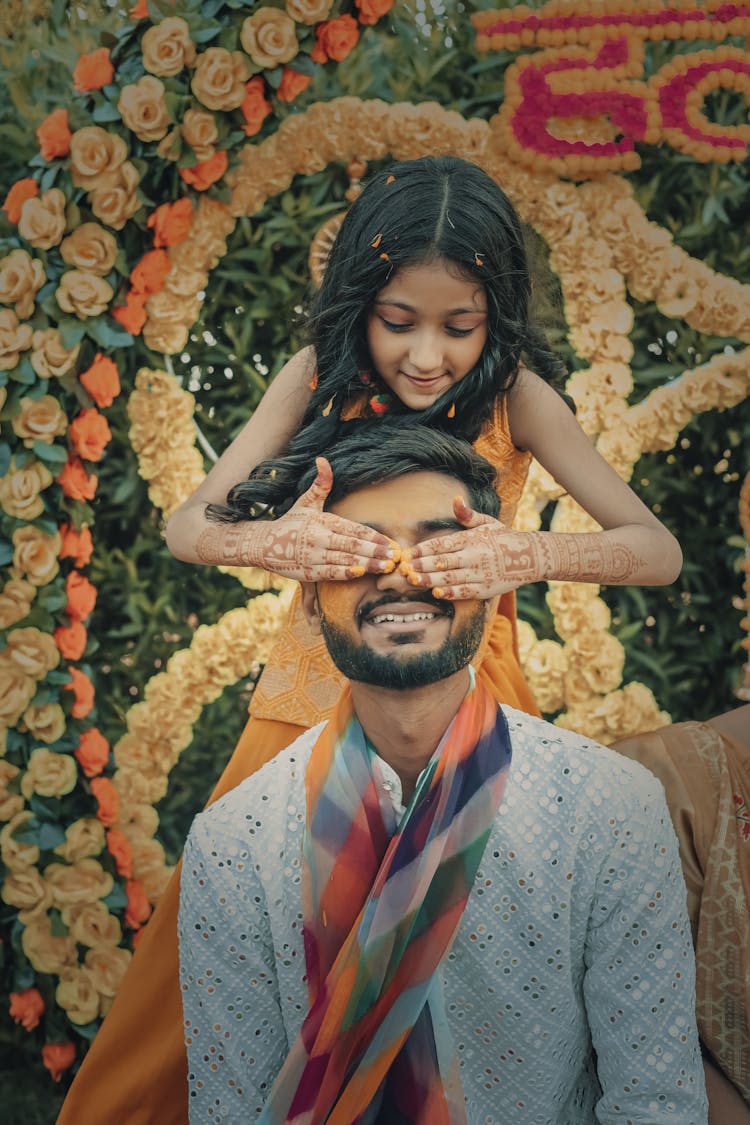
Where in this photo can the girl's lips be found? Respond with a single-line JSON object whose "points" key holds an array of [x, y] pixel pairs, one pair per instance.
{"points": [[424, 384]]}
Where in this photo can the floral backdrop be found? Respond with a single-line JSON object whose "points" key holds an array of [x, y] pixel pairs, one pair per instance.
{"points": [[151, 249]]}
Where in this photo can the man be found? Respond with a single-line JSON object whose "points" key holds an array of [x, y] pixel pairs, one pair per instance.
{"points": [[433, 909]]}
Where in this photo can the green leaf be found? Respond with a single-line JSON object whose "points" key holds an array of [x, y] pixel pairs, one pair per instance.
{"points": [[206, 34], [4, 462], [117, 898], [71, 330], [52, 454], [303, 64], [108, 333], [106, 112]]}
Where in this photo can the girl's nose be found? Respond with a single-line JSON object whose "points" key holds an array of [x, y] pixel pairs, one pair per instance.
{"points": [[425, 352]]}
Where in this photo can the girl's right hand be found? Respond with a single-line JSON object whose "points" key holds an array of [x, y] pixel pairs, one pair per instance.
{"points": [[311, 545]]}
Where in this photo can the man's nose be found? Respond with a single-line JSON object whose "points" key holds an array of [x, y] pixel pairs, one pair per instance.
{"points": [[395, 582]]}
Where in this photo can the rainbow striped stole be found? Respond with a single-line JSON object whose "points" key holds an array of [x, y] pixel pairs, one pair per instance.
{"points": [[381, 907]]}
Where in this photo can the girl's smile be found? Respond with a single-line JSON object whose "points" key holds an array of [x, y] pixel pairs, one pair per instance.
{"points": [[426, 331]]}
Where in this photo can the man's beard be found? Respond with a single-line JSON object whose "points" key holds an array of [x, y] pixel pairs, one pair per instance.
{"points": [[359, 662]]}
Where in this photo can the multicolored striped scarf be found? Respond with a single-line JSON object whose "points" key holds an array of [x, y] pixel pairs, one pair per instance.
{"points": [[381, 906]]}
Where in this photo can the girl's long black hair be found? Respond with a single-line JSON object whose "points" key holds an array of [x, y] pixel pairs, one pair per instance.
{"points": [[414, 212]]}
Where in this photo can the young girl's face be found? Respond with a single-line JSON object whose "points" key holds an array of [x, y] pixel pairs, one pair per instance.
{"points": [[426, 331]]}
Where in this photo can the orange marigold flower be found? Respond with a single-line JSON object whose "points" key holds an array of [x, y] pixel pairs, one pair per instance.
{"points": [[75, 482], [92, 71], [150, 274], [81, 596], [139, 908], [132, 315], [76, 545], [17, 196], [119, 848], [102, 380], [92, 753], [207, 172], [370, 11], [71, 640], [58, 1057], [27, 1007], [140, 11], [83, 689], [256, 106], [90, 434], [107, 799], [171, 222], [54, 135], [335, 39], [292, 84]]}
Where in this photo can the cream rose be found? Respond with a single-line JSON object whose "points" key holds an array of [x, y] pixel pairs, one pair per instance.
{"points": [[116, 201], [107, 966], [545, 667], [308, 11], [147, 855], [49, 357], [16, 855], [165, 338], [11, 803], [96, 156], [14, 339], [91, 924], [199, 130], [167, 47], [83, 294], [40, 420], [25, 890], [49, 774], [33, 652], [16, 693], [598, 658], [47, 954], [20, 490], [45, 722], [269, 37], [143, 108], [91, 248], [42, 221], [83, 838], [77, 995], [219, 78], [35, 555], [21, 277], [84, 881]]}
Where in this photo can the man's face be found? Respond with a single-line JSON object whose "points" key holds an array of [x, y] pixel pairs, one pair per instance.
{"points": [[379, 629]]}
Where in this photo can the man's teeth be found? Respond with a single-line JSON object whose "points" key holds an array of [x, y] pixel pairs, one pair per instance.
{"points": [[401, 617]]}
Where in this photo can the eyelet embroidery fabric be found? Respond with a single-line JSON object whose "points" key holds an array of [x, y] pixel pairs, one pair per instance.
{"points": [[575, 935]]}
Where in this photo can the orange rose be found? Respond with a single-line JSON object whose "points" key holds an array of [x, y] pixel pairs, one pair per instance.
{"points": [[108, 802], [131, 315], [90, 434], [149, 275], [17, 196], [90, 247], [54, 135], [92, 71], [335, 39], [58, 1057], [76, 545], [119, 848], [171, 222], [93, 755], [102, 380], [27, 1007], [292, 85], [202, 175], [370, 11], [256, 107], [81, 596], [83, 690], [75, 482], [71, 640], [139, 908], [140, 11]]}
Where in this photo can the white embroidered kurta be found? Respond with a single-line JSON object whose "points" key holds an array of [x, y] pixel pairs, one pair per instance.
{"points": [[569, 989]]}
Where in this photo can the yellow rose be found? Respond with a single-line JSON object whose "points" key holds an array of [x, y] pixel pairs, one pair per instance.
{"points": [[20, 490], [91, 248], [167, 47], [46, 722], [169, 339], [91, 924], [25, 889], [576, 608], [78, 996], [143, 108], [116, 201], [17, 855], [309, 11], [11, 803], [154, 882], [545, 668], [138, 818], [199, 130], [31, 651], [21, 276], [40, 419], [95, 156], [49, 357], [577, 688], [47, 954], [135, 786], [83, 294], [42, 221], [219, 78], [83, 838], [167, 148], [148, 855], [186, 283], [49, 774], [16, 693], [598, 657], [35, 555], [107, 966], [84, 881], [3, 741], [269, 37], [14, 339]]}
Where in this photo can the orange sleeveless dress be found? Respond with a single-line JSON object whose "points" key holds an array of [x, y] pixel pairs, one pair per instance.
{"points": [[135, 1071]]}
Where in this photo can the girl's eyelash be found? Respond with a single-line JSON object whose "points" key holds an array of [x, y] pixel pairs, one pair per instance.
{"points": [[393, 327]]}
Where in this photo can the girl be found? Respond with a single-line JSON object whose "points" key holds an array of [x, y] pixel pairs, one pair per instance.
{"points": [[423, 311]]}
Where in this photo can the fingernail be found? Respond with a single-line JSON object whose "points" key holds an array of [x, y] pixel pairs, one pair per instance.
{"points": [[406, 554], [413, 578], [387, 567], [438, 591], [405, 569], [356, 571]]}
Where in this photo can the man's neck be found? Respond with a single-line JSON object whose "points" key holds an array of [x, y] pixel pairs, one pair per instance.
{"points": [[405, 727]]}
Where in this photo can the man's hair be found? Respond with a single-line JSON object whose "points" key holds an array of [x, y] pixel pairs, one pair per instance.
{"points": [[374, 452]]}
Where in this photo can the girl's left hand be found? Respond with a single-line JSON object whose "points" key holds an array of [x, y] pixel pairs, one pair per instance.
{"points": [[484, 561]]}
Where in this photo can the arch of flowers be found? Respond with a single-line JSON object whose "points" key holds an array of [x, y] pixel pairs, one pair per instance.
{"points": [[81, 866]]}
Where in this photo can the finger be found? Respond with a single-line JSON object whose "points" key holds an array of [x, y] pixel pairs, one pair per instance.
{"points": [[461, 593], [448, 580], [467, 516], [440, 545], [317, 493], [345, 536]]}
